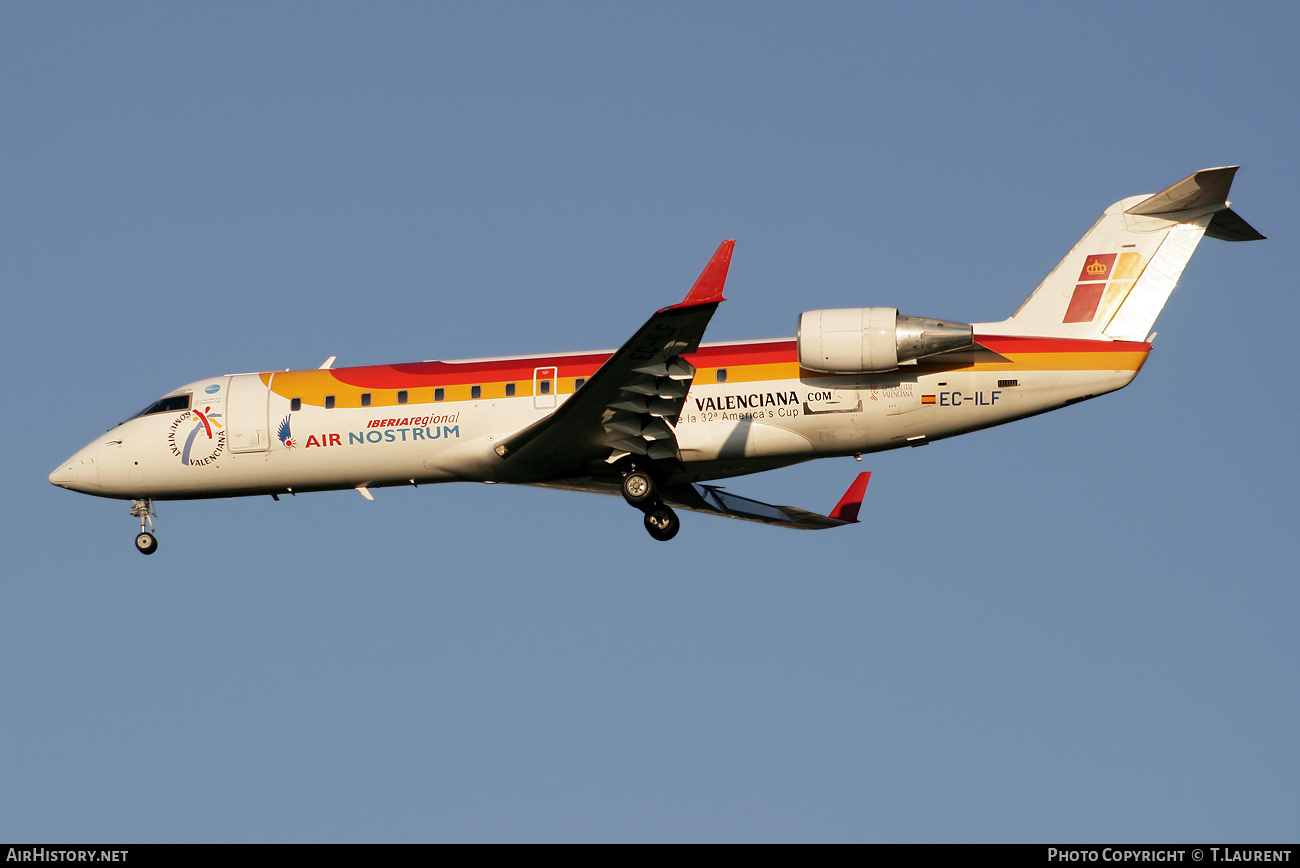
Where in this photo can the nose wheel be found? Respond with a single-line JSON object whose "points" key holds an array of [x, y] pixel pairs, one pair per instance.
{"points": [[145, 542]]}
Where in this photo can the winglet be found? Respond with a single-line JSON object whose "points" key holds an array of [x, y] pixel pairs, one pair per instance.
{"points": [[708, 288], [847, 509]]}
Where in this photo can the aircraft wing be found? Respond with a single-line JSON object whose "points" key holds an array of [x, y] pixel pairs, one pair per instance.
{"points": [[714, 499], [629, 404]]}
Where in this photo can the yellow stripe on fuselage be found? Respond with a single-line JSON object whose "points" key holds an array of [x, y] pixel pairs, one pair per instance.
{"points": [[1016, 362], [1053, 362], [314, 386]]}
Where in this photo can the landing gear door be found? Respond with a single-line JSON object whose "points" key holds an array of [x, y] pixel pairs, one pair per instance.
{"points": [[545, 382], [247, 428]]}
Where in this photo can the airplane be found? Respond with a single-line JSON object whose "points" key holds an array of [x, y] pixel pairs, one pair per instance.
{"points": [[663, 417]]}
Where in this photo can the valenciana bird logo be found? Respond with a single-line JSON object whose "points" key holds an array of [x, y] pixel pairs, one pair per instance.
{"points": [[285, 435]]}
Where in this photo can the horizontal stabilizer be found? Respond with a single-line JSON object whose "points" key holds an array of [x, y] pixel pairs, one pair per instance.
{"points": [[1227, 226], [1206, 187]]}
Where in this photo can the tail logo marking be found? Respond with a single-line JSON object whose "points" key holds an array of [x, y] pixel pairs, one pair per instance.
{"points": [[1084, 302], [1097, 266], [1097, 270]]}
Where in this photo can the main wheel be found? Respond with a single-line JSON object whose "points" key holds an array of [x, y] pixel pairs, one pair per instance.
{"points": [[638, 488], [146, 543], [662, 523]]}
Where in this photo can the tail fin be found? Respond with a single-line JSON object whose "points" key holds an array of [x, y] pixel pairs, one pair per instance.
{"points": [[1116, 280]]}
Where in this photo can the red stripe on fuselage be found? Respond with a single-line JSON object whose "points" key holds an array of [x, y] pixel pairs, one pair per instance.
{"points": [[770, 353], [1017, 344], [416, 375]]}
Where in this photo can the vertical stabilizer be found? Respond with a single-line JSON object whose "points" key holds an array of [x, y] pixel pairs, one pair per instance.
{"points": [[1116, 280]]}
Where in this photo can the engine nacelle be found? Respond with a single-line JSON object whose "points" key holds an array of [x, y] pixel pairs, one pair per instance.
{"points": [[862, 340]]}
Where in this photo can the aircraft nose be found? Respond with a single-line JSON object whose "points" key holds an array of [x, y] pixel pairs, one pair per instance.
{"points": [[78, 473], [64, 474]]}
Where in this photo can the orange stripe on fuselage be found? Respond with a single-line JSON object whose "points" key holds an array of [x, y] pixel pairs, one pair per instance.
{"points": [[744, 363]]}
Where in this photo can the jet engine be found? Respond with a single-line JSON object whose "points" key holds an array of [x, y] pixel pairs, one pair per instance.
{"points": [[863, 340]]}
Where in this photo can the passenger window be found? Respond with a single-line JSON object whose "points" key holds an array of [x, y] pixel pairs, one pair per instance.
{"points": [[476, 392], [722, 375], [401, 397], [439, 394], [577, 384], [329, 402], [295, 405], [510, 390], [545, 387], [365, 399]]}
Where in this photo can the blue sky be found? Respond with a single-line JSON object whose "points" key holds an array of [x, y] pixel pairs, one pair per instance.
{"points": [[1080, 627]]}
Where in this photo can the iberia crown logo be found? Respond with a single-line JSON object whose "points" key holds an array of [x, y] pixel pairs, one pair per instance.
{"points": [[1096, 267]]}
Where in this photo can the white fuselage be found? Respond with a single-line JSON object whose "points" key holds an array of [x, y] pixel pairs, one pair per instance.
{"points": [[241, 434]]}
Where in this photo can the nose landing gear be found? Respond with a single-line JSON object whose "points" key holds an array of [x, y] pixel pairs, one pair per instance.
{"points": [[640, 491], [145, 542]]}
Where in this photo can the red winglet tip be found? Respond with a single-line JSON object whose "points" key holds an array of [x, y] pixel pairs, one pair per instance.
{"points": [[708, 287], [847, 509]]}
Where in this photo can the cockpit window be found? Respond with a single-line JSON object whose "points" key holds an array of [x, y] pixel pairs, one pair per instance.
{"points": [[173, 404]]}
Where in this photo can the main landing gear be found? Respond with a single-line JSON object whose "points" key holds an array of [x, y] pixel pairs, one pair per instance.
{"points": [[639, 490], [662, 523], [145, 542]]}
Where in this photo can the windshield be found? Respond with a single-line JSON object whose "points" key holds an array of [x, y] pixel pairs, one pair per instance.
{"points": [[166, 405]]}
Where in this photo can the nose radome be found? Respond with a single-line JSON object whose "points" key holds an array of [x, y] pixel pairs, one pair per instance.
{"points": [[64, 475], [79, 473]]}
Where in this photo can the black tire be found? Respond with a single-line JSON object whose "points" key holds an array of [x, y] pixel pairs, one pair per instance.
{"points": [[146, 543], [638, 488], [662, 523]]}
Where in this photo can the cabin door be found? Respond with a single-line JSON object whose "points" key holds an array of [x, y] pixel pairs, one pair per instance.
{"points": [[246, 414], [545, 383]]}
